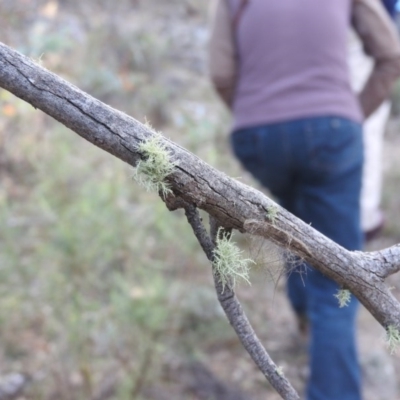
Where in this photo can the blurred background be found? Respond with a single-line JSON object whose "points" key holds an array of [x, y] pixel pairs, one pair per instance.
{"points": [[104, 294]]}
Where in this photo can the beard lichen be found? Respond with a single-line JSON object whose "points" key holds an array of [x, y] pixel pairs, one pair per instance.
{"points": [[156, 165], [344, 297], [392, 338], [272, 214], [229, 265]]}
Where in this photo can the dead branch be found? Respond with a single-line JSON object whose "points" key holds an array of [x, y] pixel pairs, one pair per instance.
{"points": [[233, 204], [236, 315]]}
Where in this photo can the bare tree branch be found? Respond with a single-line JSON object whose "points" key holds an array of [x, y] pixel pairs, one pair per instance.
{"points": [[232, 203], [388, 260], [235, 314]]}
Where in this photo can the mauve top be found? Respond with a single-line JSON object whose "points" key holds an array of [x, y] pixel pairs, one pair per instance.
{"points": [[292, 61]]}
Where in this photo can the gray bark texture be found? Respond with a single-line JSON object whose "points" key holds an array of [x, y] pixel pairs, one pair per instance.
{"points": [[231, 203]]}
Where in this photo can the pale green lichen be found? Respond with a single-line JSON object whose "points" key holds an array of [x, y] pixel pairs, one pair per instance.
{"points": [[279, 371], [392, 338], [155, 166], [344, 297], [272, 214], [229, 265]]}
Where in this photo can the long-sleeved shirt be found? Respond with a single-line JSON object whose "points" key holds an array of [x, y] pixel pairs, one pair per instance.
{"points": [[282, 60]]}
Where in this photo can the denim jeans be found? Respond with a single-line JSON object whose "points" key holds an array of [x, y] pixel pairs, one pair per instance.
{"points": [[314, 167]]}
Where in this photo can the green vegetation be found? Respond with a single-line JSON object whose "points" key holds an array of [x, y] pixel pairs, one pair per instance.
{"points": [[101, 288], [95, 274]]}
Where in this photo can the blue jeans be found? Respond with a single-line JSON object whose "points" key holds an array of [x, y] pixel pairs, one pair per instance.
{"points": [[313, 167]]}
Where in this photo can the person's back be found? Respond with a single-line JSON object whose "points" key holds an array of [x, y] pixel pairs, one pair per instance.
{"points": [[361, 65], [291, 61]]}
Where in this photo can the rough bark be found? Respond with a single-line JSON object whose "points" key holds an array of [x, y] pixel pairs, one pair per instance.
{"points": [[232, 203]]}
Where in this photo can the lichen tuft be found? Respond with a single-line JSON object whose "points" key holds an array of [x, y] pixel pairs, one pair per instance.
{"points": [[344, 297], [392, 338], [155, 166], [272, 214], [229, 265]]}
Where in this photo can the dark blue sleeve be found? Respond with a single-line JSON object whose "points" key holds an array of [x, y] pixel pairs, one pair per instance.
{"points": [[390, 6]]}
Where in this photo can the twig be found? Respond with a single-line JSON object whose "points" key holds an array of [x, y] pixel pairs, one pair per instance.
{"points": [[235, 313]]}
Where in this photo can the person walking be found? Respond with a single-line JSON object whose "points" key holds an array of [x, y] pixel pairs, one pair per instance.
{"points": [[281, 67], [361, 64]]}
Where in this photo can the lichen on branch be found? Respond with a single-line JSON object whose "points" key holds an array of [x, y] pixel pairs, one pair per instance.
{"points": [[229, 265], [392, 338], [344, 297], [155, 166]]}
